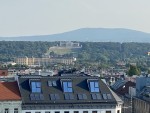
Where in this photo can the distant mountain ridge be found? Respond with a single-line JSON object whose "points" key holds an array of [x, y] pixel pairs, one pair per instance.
{"points": [[90, 34]]}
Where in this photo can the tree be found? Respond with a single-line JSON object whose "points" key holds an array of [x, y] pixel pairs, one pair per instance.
{"points": [[133, 70]]}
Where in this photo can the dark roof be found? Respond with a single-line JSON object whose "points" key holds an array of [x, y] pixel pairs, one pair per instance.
{"points": [[124, 89], [9, 91], [79, 83]]}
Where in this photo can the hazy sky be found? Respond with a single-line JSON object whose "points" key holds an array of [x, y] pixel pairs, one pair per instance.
{"points": [[38, 17]]}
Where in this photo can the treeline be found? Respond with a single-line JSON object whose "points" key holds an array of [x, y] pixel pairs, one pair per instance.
{"points": [[11, 49], [110, 51], [91, 51]]}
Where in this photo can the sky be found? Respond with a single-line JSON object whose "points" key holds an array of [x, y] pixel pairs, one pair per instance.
{"points": [[42, 17]]}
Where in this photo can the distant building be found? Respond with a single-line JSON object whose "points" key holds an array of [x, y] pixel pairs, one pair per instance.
{"points": [[141, 103], [140, 106], [44, 61], [10, 98], [25, 61], [126, 90], [69, 44], [3, 72], [141, 83], [67, 94]]}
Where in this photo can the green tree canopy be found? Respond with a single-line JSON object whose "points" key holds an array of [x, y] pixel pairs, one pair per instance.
{"points": [[133, 70]]}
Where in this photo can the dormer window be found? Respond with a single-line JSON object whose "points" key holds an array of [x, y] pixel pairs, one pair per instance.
{"points": [[67, 85], [52, 83], [93, 86], [35, 86]]}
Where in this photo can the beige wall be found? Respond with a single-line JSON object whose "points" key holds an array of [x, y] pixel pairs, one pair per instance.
{"points": [[42, 61]]}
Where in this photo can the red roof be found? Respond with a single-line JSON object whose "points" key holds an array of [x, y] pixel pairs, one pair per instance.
{"points": [[9, 91]]}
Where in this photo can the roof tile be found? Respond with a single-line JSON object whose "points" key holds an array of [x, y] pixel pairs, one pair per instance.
{"points": [[9, 91]]}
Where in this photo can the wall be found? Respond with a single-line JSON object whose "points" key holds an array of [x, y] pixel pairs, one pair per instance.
{"points": [[140, 106], [10, 105], [141, 82], [72, 110]]}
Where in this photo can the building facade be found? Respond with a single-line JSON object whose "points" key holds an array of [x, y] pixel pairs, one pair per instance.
{"points": [[3, 72], [10, 99], [140, 106], [67, 94], [44, 61]]}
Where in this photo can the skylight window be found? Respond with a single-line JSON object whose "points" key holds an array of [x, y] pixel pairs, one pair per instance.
{"points": [[36, 86], [82, 96], [67, 86], [52, 83], [54, 96], [69, 96], [96, 96], [93, 86], [105, 96], [36, 96]]}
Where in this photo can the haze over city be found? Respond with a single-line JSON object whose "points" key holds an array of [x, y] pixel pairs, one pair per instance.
{"points": [[43, 17]]}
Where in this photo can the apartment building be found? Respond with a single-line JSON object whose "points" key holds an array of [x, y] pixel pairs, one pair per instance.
{"points": [[67, 94], [10, 99]]}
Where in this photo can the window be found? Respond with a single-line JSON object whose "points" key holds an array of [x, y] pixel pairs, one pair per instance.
{"points": [[104, 96], [109, 96], [69, 96], [52, 83], [82, 96], [36, 87], [49, 83], [37, 112], [57, 111], [108, 111], [47, 112], [28, 112], [67, 86], [85, 111], [118, 111], [76, 112], [37, 96], [66, 111], [94, 85], [96, 96], [16, 110], [6, 110], [94, 111], [54, 97]]}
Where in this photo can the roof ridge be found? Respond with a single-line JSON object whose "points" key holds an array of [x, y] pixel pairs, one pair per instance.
{"points": [[117, 98]]}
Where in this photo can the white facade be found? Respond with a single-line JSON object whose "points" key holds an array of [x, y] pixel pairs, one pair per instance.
{"points": [[10, 107], [114, 110]]}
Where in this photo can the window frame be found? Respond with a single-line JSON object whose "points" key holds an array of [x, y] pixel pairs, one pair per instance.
{"points": [[75, 111], [67, 86], [94, 85], [36, 86], [16, 110], [85, 111], [108, 111], [6, 110]]}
